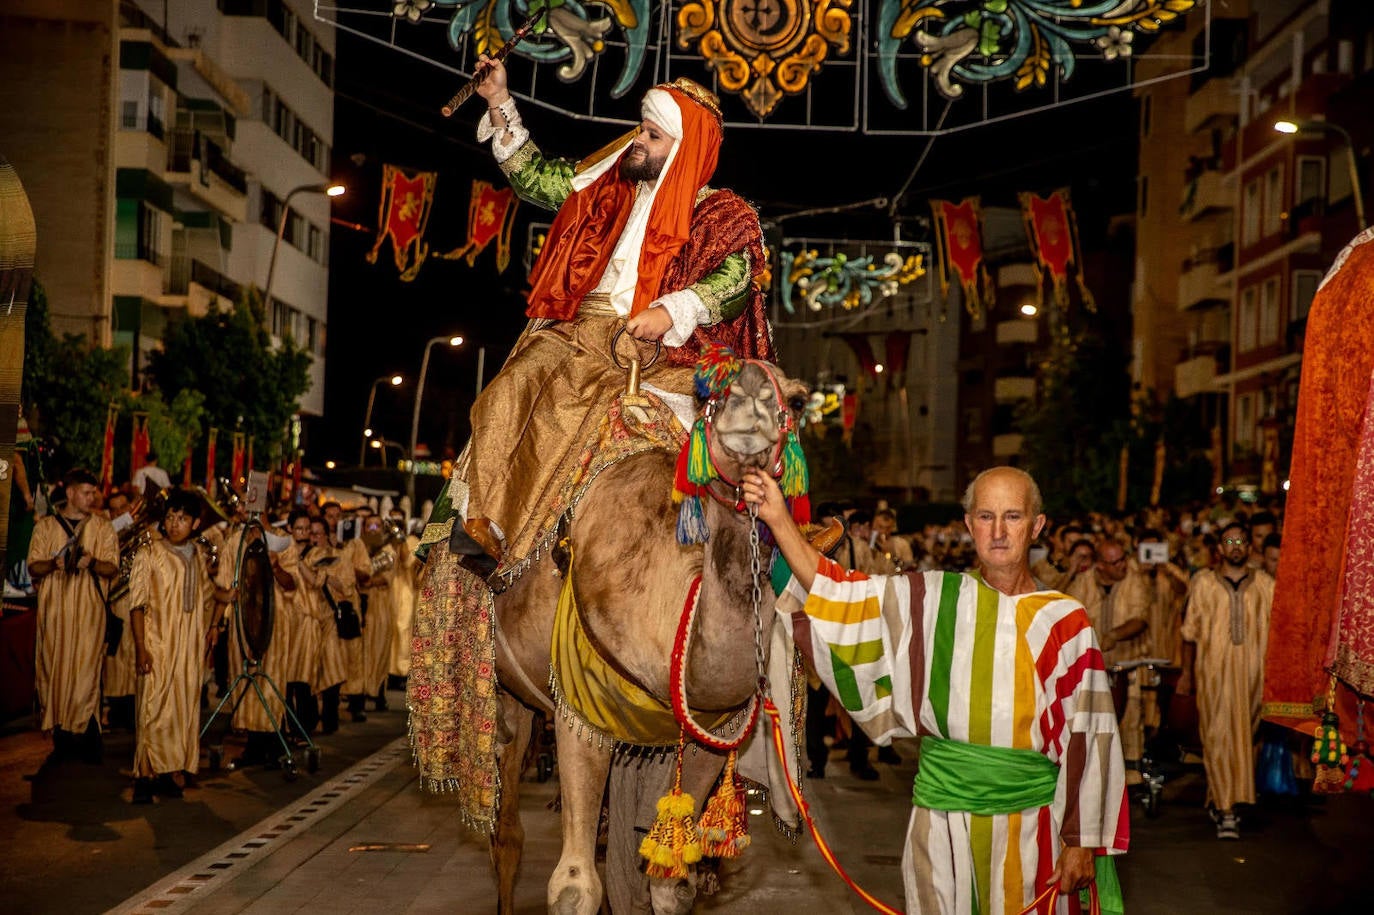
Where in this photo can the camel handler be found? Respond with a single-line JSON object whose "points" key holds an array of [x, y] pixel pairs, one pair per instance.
{"points": [[1004, 686], [641, 242]]}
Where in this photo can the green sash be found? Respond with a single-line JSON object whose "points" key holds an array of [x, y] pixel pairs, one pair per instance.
{"points": [[991, 781]]}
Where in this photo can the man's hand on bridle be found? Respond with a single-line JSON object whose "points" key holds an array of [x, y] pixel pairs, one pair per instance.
{"points": [[650, 324]]}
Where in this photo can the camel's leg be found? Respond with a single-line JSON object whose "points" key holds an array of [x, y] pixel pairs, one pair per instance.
{"points": [[575, 888], [508, 840], [636, 786]]}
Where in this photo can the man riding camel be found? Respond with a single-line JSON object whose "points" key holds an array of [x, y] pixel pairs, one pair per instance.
{"points": [[640, 242]]}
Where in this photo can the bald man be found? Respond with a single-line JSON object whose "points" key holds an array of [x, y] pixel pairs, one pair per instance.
{"points": [[1003, 684]]}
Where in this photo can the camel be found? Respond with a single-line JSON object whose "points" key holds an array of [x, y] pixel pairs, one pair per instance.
{"points": [[630, 576]]}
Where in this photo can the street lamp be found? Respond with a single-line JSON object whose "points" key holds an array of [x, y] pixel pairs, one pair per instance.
{"points": [[381, 444], [329, 190], [394, 381], [1292, 127], [454, 341]]}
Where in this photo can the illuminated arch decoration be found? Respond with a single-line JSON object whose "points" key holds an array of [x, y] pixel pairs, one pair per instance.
{"points": [[848, 281], [876, 67], [761, 49], [986, 41]]}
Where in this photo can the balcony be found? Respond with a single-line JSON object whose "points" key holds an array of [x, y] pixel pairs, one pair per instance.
{"points": [[200, 165], [1212, 105], [138, 271], [1206, 196], [1206, 279], [1017, 330], [1005, 390], [199, 287], [1197, 371]]}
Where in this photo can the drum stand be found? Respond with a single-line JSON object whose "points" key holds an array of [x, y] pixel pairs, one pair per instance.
{"points": [[252, 674]]}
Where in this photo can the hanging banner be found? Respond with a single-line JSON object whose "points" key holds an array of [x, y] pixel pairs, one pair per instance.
{"points": [[250, 454], [402, 215], [141, 446], [186, 470], [898, 350], [959, 237], [107, 450], [1053, 234], [491, 215], [236, 474], [1269, 457], [1158, 483], [210, 460]]}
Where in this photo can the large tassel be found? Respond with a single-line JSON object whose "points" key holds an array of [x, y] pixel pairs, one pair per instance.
{"points": [[724, 822], [795, 478], [691, 522], [673, 841], [682, 486], [801, 509], [700, 468], [716, 368]]}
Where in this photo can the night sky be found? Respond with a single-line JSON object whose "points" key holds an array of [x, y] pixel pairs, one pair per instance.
{"points": [[387, 111]]}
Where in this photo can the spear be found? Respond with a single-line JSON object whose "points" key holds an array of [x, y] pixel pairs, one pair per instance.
{"points": [[468, 88]]}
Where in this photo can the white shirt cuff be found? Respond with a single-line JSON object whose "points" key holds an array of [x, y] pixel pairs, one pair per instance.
{"points": [[504, 142], [688, 312]]}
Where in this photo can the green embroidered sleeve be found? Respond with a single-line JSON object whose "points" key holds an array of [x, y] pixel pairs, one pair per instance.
{"points": [[543, 182], [725, 290]]}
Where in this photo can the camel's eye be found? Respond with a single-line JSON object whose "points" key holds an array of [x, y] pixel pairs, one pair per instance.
{"points": [[765, 393], [797, 403]]}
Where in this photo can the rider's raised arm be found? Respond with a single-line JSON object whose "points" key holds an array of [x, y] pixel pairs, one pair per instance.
{"points": [[538, 180]]}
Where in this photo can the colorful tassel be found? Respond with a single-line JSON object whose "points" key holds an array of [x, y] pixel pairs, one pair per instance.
{"points": [[700, 468], [724, 822], [674, 841], [717, 367], [691, 522], [801, 509], [796, 480], [682, 487]]}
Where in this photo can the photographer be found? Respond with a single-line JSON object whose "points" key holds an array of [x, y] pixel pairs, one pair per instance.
{"points": [[72, 557]]}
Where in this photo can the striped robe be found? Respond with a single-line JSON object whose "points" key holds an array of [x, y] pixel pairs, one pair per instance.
{"points": [[944, 654]]}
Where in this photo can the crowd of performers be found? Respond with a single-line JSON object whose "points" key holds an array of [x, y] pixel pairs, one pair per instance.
{"points": [[1187, 590], [135, 597]]}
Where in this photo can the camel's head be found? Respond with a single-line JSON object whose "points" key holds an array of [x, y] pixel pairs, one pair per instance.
{"points": [[749, 424]]}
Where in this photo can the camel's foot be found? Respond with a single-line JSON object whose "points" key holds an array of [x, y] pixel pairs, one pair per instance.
{"points": [[575, 889]]}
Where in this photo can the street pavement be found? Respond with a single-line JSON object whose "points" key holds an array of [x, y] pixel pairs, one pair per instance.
{"points": [[359, 837]]}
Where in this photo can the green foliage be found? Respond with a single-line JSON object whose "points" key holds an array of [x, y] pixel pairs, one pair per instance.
{"points": [[173, 429], [67, 389], [1074, 434], [246, 383]]}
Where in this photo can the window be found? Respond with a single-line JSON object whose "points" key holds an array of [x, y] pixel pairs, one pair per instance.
{"points": [[1311, 183], [311, 334], [1146, 113], [1245, 420], [1249, 230], [1273, 202], [128, 115], [1249, 321], [1305, 284], [280, 318], [314, 245], [1269, 312]]}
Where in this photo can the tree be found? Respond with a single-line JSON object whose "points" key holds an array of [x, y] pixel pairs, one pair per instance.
{"points": [[173, 428], [68, 387], [226, 355], [1073, 434]]}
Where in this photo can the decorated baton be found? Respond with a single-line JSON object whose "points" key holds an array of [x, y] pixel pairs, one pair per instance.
{"points": [[468, 88]]}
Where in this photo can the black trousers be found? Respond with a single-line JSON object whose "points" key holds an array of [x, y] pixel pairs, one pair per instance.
{"points": [[304, 706]]}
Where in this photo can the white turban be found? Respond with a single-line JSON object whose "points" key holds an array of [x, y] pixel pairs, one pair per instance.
{"points": [[660, 107]]}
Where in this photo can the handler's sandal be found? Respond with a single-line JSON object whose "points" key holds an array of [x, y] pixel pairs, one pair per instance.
{"points": [[1228, 827]]}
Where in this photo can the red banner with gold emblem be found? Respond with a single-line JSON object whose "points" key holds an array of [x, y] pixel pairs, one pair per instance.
{"points": [[210, 460], [491, 215], [402, 216], [1053, 234], [236, 465], [107, 451], [141, 446], [959, 239]]}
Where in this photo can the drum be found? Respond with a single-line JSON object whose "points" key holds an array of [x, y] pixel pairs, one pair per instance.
{"points": [[255, 611]]}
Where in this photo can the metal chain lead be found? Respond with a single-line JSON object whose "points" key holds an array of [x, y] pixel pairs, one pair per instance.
{"points": [[756, 569]]}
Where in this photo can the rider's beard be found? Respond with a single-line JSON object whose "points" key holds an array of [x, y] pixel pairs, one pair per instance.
{"points": [[638, 165]]}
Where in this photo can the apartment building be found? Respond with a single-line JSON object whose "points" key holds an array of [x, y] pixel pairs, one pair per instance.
{"points": [[1239, 221], [160, 142]]}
